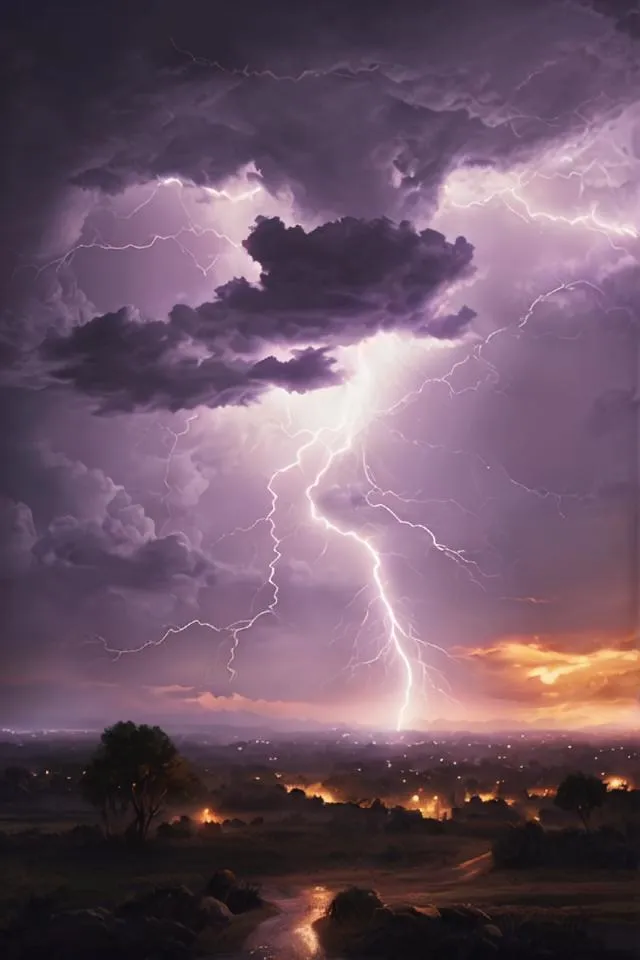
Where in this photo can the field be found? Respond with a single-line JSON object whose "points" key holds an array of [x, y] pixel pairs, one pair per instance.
{"points": [[285, 861]]}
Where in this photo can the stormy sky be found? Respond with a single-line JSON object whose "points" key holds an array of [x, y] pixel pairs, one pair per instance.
{"points": [[319, 362]]}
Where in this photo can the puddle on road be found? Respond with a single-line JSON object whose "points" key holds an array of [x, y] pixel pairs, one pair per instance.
{"points": [[289, 935]]}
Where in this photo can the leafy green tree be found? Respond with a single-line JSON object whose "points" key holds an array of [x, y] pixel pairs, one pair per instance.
{"points": [[581, 793], [134, 772]]}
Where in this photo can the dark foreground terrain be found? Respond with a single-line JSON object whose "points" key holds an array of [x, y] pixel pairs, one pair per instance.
{"points": [[71, 896]]}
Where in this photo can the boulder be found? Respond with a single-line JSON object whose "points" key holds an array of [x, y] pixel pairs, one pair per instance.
{"points": [[221, 884], [154, 938], [463, 916], [70, 935], [168, 903], [218, 913]]}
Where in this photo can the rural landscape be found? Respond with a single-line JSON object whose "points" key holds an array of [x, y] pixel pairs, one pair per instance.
{"points": [[320, 480], [386, 849]]}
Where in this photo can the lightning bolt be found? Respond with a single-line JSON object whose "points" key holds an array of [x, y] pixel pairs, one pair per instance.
{"points": [[511, 193], [178, 237], [343, 70], [334, 444], [176, 437]]}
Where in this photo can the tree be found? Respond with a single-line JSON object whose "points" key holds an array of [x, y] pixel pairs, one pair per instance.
{"points": [[136, 770], [581, 793]]}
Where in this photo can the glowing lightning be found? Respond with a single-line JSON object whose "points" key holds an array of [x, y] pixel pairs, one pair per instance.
{"points": [[176, 435], [346, 72], [191, 228], [336, 442], [396, 633], [355, 418], [509, 190]]}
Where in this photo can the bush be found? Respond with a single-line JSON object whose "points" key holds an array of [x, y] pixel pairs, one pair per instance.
{"points": [[180, 829], [244, 897], [84, 835], [529, 846], [210, 829], [521, 846]]}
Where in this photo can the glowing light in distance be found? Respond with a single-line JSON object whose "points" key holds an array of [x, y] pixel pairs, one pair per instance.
{"points": [[618, 783], [314, 790]]}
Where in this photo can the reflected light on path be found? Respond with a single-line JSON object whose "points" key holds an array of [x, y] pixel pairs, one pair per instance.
{"points": [[319, 899]]}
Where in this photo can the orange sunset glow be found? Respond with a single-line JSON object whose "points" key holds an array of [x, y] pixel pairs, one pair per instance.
{"points": [[565, 681]]}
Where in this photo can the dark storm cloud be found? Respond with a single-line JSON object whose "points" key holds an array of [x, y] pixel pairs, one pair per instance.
{"points": [[340, 283], [624, 13], [382, 102], [366, 97], [100, 558], [85, 531], [127, 364], [306, 370], [379, 108]]}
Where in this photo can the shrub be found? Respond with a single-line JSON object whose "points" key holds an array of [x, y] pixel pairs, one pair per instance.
{"points": [[244, 897], [529, 846], [520, 846]]}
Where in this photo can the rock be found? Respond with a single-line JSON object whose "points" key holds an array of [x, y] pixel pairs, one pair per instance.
{"points": [[218, 913], [167, 903], [220, 884], [407, 911], [154, 938], [71, 935], [354, 907], [463, 916], [381, 917]]}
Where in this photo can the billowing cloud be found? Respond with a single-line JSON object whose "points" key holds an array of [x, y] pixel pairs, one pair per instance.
{"points": [[142, 141], [107, 542], [559, 679], [17, 537], [334, 285], [127, 364], [101, 559]]}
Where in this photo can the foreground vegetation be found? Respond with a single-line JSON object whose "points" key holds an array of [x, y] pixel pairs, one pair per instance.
{"points": [[79, 870], [125, 884]]}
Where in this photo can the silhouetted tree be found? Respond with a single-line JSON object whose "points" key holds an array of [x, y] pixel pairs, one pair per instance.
{"points": [[136, 769], [581, 793], [102, 788]]}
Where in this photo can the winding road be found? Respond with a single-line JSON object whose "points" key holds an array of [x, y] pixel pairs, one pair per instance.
{"points": [[290, 934]]}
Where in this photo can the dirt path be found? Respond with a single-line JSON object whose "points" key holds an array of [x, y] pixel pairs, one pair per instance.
{"points": [[290, 934]]}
